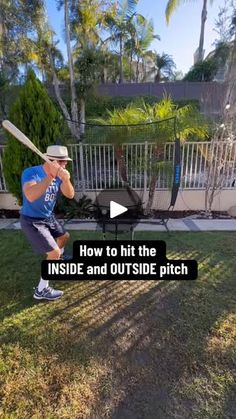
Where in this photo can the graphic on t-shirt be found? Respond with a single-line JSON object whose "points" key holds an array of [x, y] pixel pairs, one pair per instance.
{"points": [[43, 206]]}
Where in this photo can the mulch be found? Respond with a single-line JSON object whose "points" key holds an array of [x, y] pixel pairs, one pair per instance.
{"points": [[154, 215]]}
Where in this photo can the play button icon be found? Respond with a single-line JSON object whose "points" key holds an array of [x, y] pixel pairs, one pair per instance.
{"points": [[116, 209]]}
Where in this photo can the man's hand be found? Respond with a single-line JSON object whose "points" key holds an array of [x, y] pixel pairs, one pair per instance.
{"points": [[52, 168], [66, 186], [63, 174]]}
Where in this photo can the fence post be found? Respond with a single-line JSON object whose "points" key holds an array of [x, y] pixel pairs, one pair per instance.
{"points": [[145, 166], [81, 159]]}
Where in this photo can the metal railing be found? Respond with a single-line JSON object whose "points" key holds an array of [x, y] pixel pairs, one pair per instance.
{"points": [[100, 167]]}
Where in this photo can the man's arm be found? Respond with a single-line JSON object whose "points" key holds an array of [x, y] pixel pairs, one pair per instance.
{"points": [[67, 189], [34, 190], [66, 186]]}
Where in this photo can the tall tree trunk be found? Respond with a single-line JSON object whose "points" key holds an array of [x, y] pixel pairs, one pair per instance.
{"points": [[130, 66], [74, 107], [105, 73], [202, 33], [144, 69], [119, 155], [152, 189], [43, 73], [3, 37], [157, 155], [121, 78], [1, 42], [104, 76], [158, 76], [60, 101], [137, 70], [230, 95], [74, 129], [82, 116]]}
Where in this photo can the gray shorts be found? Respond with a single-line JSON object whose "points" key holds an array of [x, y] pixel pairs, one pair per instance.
{"points": [[42, 233]]}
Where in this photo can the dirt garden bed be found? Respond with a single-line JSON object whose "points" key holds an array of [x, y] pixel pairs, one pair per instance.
{"points": [[154, 215]]}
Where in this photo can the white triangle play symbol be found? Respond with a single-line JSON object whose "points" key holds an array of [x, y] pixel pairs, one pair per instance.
{"points": [[116, 209]]}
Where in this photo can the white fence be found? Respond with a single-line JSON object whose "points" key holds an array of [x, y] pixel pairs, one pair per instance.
{"points": [[100, 169]]}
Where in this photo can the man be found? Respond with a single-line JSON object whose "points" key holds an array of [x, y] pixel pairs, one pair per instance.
{"points": [[41, 186]]}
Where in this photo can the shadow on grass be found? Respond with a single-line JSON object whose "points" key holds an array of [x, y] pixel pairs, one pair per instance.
{"points": [[153, 335], [229, 408]]}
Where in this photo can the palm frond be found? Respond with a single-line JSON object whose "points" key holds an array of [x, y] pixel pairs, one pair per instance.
{"points": [[190, 122], [170, 8]]}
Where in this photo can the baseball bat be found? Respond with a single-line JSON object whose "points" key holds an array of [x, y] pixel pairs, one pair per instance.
{"points": [[23, 139]]}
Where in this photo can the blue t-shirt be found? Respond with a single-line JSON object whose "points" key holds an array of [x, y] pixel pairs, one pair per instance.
{"points": [[43, 206]]}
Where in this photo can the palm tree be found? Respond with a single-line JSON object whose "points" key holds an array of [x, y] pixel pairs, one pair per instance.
{"points": [[172, 6], [142, 35], [121, 26], [165, 66], [37, 48], [88, 19]]}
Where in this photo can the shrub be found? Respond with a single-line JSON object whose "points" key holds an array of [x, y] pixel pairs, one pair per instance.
{"points": [[35, 115], [202, 71], [83, 208], [97, 106]]}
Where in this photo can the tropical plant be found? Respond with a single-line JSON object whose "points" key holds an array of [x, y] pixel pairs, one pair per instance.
{"points": [[172, 5], [40, 56], [203, 71], [88, 18], [83, 208], [34, 114], [156, 126]]}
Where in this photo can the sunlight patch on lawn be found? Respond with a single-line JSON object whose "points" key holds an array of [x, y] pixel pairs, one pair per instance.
{"points": [[223, 342], [64, 390]]}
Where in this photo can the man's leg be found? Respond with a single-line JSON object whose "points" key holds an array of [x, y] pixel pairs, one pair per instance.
{"points": [[62, 240], [52, 255], [43, 291], [42, 242]]}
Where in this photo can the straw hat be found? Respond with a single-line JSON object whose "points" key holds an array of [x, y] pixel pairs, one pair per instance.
{"points": [[57, 152]]}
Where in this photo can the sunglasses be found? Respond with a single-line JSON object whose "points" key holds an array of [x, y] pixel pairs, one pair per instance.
{"points": [[60, 161]]}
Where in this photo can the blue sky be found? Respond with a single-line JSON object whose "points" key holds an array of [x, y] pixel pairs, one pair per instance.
{"points": [[180, 39]]}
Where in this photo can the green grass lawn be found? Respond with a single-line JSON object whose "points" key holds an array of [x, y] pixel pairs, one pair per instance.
{"points": [[120, 349]]}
